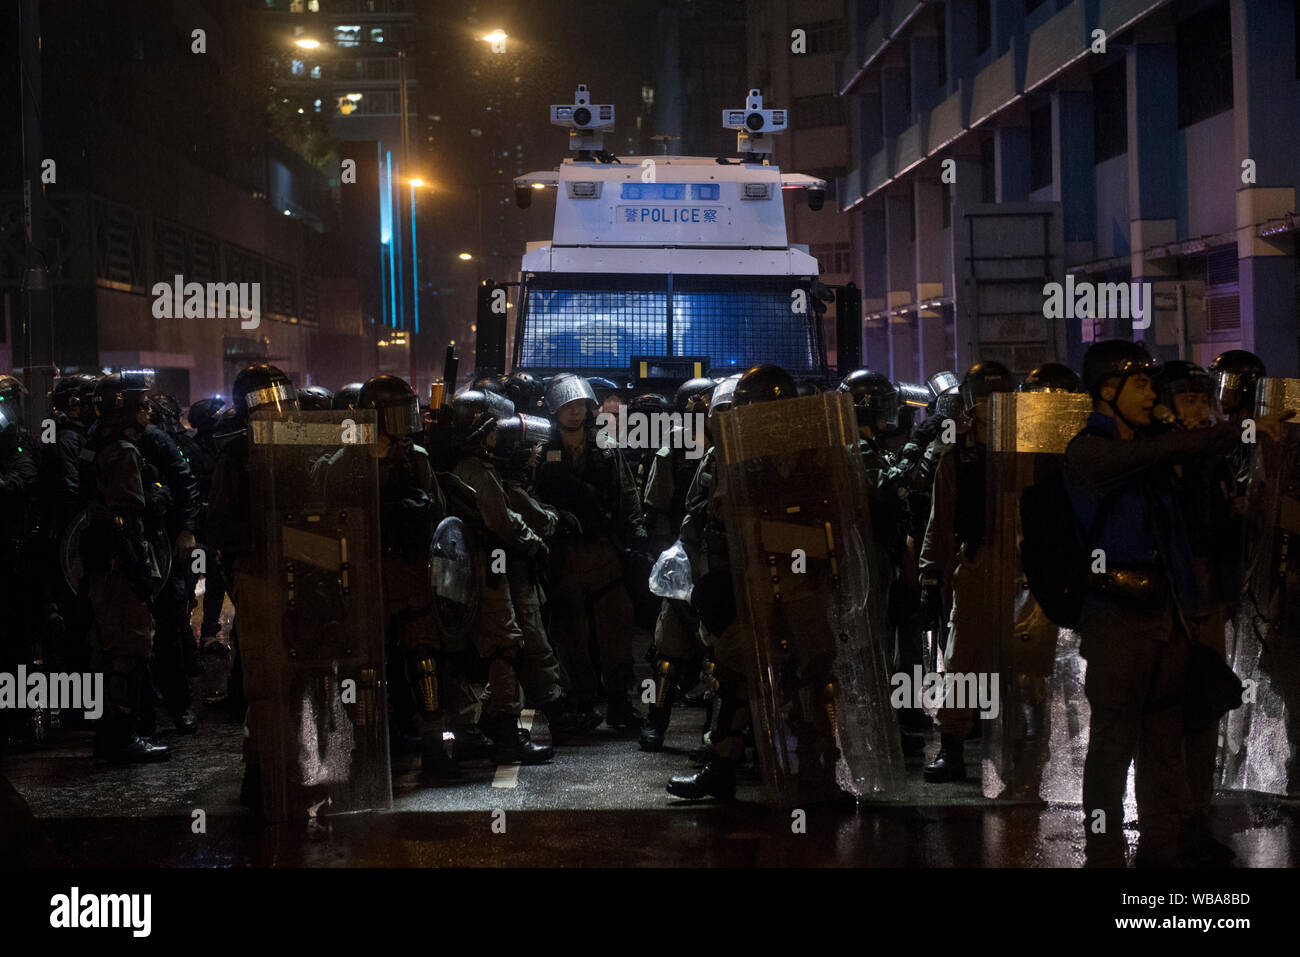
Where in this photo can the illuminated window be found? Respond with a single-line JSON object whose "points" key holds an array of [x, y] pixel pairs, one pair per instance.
{"points": [[315, 73], [376, 34], [295, 6], [297, 68], [313, 6], [347, 35]]}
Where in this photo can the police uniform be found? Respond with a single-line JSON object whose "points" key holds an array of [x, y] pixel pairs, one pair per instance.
{"points": [[588, 589]]}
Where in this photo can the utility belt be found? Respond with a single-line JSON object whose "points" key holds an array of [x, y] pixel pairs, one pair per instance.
{"points": [[1139, 588]]}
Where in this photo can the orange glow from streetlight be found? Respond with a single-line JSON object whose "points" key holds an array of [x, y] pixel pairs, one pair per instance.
{"points": [[465, 257], [308, 44]]}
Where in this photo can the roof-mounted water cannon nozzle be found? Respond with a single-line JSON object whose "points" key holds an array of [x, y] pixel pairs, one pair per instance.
{"points": [[584, 121], [755, 126]]}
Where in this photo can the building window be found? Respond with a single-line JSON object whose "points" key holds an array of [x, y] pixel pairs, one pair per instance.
{"points": [[376, 34], [828, 36], [1040, 147], [1110, 112], [983, 25], [297, 68], [315, 73], [809, 112], [347, 35], [1204, 64]]}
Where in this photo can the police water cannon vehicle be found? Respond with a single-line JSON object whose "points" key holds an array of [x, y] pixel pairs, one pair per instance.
{"points": [[662, 267]]}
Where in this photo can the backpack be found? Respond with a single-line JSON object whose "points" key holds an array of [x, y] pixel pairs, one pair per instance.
{"points": [[1054, 559]]}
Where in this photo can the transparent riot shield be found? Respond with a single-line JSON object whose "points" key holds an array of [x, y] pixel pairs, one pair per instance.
{"points": [[1260, 739], [311, 629], [794, 502], [1028, 432]]}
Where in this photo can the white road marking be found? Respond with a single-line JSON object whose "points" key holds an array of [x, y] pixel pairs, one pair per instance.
{"points": [[507, 775]]}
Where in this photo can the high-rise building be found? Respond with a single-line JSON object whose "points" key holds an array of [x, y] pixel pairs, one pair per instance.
{"points": [[1001, 147]]}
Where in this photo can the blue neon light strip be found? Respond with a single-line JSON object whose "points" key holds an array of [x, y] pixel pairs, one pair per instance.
{"points": [[392, 265]]}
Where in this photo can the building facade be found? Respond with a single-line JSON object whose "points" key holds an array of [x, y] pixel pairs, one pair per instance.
{"points": [[1001, 146]]}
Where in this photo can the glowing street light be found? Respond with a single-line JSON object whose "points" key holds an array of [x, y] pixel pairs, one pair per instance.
{"points": [[416, 182], [307, 44], [498, 40], [464, 257]]}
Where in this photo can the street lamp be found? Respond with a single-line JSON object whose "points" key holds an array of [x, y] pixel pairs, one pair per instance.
{"points": [[464, 257], [498, 40], [307, 44]]}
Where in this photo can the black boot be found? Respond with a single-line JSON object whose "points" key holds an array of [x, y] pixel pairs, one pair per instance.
{"points": [[512, 743], [717, 779], [130, 749], [656, 725], [949, 764]]}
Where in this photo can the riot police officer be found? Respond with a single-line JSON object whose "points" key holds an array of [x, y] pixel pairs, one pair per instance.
{"points": [[118, 564], [954, 558], [506, 539], [704, 536], [61, 499], [589, 596], [174, 507], [676, 630], [228, 526], [1118, 477], [429, 695]]}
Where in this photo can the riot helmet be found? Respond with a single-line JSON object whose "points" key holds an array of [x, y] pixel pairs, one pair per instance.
{"points": [[205, 413], [875, 399], [315, 398], [527, 394], [346, 397], [517, 436], [1187, 391], [121, 396], [693, 395], [1236, 373], [1052, 377], [949, 404], [650, 403], [165, 412], [985, 378], [764, 383], [569, 387], [263, 387], [73, 391], [397, 410], [914, 394], [603, 388], [1115, 358], [12, 396], [488, 383], [474, 414], [724, 394], [941, 382]]}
